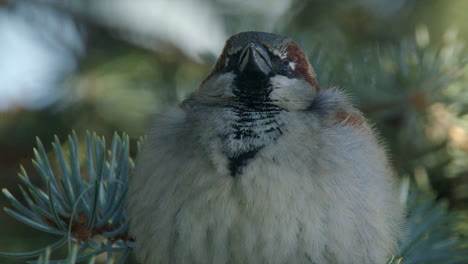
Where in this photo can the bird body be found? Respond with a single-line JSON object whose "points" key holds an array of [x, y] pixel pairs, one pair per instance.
{"points": [[261, 165]]}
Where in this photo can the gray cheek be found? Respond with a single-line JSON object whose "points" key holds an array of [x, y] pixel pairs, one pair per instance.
{"points": [[219, 85], [292, 94]]}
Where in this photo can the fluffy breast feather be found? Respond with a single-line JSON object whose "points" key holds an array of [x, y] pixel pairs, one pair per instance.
{"points": [[323, 192]]}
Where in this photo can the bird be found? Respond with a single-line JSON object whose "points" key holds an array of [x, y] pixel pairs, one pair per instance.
{"points": [[262, 165]]}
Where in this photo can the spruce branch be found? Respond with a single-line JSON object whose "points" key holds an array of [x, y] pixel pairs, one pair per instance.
{"points": [[431, 236], [80, 203], [71, 258]]}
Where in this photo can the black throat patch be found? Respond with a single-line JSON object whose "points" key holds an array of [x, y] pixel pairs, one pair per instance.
{"points": [[251, 124]]}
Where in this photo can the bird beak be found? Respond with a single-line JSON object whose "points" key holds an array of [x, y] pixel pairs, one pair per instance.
{"points": [[255, 59]]}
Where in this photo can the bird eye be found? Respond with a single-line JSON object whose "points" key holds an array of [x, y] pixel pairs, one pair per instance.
{"points": [[286, 65]]}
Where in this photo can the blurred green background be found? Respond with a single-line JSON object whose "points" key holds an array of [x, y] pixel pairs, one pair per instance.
{"points": [[109, 66]]}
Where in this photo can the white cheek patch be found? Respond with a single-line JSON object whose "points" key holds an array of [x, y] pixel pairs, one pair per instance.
{"points": [[293, 94]]}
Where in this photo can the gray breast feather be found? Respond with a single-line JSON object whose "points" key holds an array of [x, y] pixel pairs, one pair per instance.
{"points": [[322, 192]]}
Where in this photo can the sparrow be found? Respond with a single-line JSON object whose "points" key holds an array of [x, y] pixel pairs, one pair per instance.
{"points": [[262, 165]]}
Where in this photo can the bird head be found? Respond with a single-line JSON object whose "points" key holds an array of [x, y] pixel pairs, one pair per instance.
{"points": [[258, 67]]}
